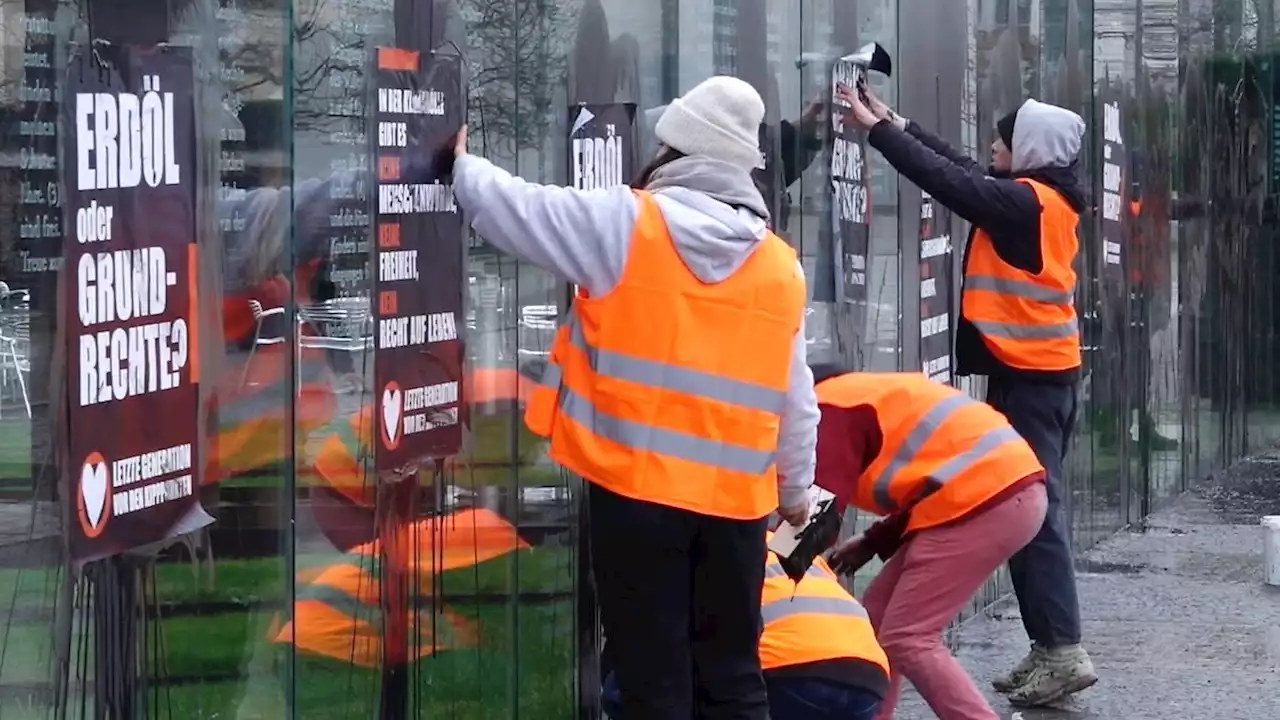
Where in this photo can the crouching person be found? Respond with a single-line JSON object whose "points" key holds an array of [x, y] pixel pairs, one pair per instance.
{"points": [[818, 651], [962, 492]]}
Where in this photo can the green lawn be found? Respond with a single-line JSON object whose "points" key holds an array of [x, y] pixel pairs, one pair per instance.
{"points": [[524, 652]]}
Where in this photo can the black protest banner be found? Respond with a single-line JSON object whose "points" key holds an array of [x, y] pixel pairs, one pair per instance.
{"points": [[418, 108], [601, 145], [850, 202], [937, 278], [1114, 164], [129, 172]]}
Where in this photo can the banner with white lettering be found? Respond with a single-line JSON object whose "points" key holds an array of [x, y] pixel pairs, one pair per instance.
{"points": [[418, 107], [129, 171], [937, 275], [850, 201], [601, 145], [1114, 165]]}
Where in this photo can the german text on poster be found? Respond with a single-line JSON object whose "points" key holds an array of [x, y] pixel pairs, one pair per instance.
{"points": [[937, 273], [601, 145], [129, 170], [1114, 208], [417, 258], [850, 201]]}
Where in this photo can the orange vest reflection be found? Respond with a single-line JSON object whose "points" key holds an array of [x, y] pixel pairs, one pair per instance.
{"points": [[337, 610]]}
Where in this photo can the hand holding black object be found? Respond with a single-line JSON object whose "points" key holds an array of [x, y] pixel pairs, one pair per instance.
{"points": [[858, 111], [850, 555], [797, 515]]}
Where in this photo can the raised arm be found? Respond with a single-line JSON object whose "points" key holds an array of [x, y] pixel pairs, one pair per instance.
{"points": [[580, 236], [999, 206]]}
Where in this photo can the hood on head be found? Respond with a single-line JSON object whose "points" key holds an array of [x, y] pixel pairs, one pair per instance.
{"points": [[714, 211], [1045, 136]]}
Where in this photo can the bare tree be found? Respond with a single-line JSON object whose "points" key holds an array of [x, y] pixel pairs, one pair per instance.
{"points": [[518, 64]]}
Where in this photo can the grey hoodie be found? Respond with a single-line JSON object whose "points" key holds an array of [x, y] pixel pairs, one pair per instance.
{"points": [[716, 218]]}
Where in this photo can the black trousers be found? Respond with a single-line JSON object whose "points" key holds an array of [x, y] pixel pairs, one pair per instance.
{"points": [[679, 596], [1043, 572]]}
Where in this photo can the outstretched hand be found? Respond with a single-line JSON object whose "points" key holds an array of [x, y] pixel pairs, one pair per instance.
{"points": [[858, 111], [460, 143]]}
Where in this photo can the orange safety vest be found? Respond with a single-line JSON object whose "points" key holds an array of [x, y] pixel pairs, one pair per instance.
{"points": [[671, 390], [1028, 320], [337, 610], [943, 454], [815, 619]]}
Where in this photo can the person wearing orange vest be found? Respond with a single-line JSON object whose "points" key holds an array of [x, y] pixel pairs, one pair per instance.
{"points": [[1017, 326], [818, 650], [676, 387], [962, 492]]}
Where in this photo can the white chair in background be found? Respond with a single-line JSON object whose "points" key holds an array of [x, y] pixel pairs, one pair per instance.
{"points": [[259, 315]]}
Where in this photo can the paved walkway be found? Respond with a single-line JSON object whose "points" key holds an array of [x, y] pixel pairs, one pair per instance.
{"points": [[1176, 615]]}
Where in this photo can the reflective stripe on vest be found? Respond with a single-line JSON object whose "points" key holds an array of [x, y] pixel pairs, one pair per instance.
{"points": [[813, 620], [655, 412], [943, 454], [786, 607], [1019, 288], [1028, 320], [638, 436], [920, 434]]}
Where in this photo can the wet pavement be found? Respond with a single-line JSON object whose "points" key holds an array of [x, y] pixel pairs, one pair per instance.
{"points": [[1176, 615]]}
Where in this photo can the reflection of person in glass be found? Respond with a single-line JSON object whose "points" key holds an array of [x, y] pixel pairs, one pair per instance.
{"points": [[1017, 326], [798, 145], [819, 653], [1147, 234], [677, 388]]}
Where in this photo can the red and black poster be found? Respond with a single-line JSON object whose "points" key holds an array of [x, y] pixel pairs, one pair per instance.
{"points": [[1114, 207], [601, 145], [937, 277], [129, 171], [418, 107], [850, 202]]}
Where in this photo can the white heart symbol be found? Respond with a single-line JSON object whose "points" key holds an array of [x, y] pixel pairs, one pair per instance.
{"points": [[93, 488], [391, 411]]}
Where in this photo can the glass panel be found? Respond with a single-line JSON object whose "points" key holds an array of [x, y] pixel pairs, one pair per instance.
{"points": [[279, 607]]}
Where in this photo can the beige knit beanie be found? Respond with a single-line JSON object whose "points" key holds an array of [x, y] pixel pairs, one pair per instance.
{"points": [[719, 118]]}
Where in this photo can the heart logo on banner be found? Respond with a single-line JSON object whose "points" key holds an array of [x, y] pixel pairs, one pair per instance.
{"points": [[93, 489], [391, 410]]}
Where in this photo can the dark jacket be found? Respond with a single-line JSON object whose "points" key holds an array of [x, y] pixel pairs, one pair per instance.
{"points": [[1007, 210]]}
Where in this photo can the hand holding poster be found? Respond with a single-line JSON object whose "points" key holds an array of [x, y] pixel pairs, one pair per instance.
{"points": [[937, 274], [129, 173], [417, 258]]}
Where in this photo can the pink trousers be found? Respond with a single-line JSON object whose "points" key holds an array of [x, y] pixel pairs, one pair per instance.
{"points": [[927, 583]]}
